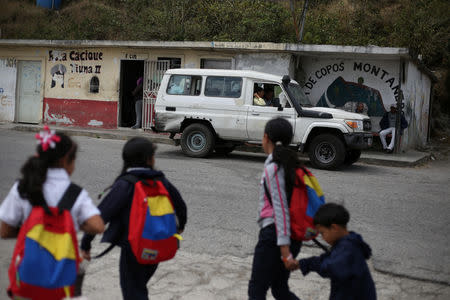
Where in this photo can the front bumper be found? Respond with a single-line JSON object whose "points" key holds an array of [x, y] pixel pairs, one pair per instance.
{"points": [[359, 140]]}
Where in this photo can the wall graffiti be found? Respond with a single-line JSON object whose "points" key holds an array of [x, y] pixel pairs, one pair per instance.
{"points": [[57, 73], [77, 60], [357, 86], [8, 79]]}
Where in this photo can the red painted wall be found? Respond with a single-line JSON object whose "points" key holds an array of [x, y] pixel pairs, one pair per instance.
{"points": [[80, 113]]}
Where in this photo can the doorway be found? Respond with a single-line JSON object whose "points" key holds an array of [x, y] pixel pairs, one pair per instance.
{"points": [[29, 92], [130, 71]]}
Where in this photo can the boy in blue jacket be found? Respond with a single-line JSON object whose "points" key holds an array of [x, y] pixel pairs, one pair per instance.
{"points": [[346, 263]]}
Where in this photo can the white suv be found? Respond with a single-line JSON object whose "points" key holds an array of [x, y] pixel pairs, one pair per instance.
{"points": [[215, 111]]}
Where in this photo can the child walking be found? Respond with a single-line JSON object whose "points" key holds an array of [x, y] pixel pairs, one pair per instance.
{"points": [[138, 160], [346, 263], [44, 181], [275, 252]]}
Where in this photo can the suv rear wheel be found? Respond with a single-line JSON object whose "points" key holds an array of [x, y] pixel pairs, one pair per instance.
{"points": [[326, 151], [197, 140]]}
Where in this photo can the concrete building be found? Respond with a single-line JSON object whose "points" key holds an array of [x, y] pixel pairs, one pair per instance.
{"points": [[89, 83]]}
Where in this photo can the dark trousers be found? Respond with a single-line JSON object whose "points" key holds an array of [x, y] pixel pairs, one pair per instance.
{"points": [[268, 270], [134, 276]]}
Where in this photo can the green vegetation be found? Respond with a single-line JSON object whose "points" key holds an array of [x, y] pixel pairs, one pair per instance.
{"points": [[423, 26]]}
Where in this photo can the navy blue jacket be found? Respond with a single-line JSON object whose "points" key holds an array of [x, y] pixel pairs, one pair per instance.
{"points": [[116, 206], [384, 122], [346, 266]]}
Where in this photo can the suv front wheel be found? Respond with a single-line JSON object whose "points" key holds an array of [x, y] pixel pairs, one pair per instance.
{"points": [[197, 140], [326, 151]]}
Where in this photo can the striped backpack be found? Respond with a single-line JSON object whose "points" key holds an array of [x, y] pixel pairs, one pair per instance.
{"points": [[152, 231], [45, 259], [306, 198]]}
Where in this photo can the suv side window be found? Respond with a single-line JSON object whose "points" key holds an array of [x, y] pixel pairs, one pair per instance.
{"points": [[269, 95], [184, 85], [220, 86]]}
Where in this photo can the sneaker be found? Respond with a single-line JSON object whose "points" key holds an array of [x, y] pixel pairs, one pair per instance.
{"points": [[389, 151]]}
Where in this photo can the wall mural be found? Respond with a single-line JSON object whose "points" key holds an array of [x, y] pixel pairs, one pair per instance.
{"points": [[57, 73], [77, 65], [355, 86]]}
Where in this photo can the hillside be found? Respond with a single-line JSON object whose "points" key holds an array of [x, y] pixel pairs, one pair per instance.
{"points": [[423, 26]]}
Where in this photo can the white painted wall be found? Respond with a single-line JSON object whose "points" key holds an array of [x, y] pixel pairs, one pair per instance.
{"points": [[417, 90], [8, 75], [273, 63]]}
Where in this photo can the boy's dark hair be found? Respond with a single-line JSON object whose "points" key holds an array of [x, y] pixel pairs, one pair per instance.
{"points": [[331, 213], [136, 153]]}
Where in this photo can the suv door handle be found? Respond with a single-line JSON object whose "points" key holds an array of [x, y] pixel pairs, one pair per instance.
{"points": [[255, 113]]}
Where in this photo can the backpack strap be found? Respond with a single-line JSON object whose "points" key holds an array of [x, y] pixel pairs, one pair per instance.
{"points": [[131, 179], [70, 196], [266, 191]]}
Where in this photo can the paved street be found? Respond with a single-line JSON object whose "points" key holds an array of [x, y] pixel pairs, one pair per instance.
{"points": [[401, 212]]}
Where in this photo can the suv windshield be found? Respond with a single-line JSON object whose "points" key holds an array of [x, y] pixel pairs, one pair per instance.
{"points": [[299, 95]]}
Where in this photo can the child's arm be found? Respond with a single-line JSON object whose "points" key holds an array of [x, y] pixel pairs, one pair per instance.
{"points": [[274, 179], [8, 231], [337, 265], [310, 264], [111, 206], [93, 225]]}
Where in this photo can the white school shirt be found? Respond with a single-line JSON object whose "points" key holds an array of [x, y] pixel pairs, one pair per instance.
{"points": [[14, 210]]}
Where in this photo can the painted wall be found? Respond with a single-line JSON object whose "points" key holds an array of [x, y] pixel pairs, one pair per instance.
{"points": [[334, 82], [343, 83], [273, 63], [417, 92], [8, 75]]}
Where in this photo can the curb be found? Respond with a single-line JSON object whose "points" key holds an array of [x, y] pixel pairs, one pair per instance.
{"points": [[393, 160], [102, 134], [395, 163]]}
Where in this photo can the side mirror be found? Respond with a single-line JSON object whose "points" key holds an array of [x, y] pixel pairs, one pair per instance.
{"points": [[280, 108]]}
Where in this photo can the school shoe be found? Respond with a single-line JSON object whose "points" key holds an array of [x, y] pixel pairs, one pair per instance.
{"points": [[135, 127], [389, 151]]}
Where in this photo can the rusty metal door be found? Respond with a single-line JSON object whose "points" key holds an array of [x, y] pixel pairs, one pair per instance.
{"points": [[28, 91], [153, 74]]}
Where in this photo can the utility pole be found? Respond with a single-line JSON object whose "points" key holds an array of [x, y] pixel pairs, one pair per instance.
{"points": [[298, 24], [399, 113], [302, 25]]}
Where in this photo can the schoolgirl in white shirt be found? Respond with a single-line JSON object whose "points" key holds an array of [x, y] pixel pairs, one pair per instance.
{"points": [[45, 177]]}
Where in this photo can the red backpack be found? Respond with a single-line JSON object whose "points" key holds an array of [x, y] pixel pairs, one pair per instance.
{"points": [[306, 198], [45, 259], [152, 231]]}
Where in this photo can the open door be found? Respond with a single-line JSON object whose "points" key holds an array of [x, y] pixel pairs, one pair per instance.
{"points": [[130, 71]]}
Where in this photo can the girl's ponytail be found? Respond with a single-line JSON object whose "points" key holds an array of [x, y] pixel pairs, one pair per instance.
{"points": [[279, 131], [34, 172]]}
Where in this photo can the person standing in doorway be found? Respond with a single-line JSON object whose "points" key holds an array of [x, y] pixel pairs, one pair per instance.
{"points": [[138, 98]]}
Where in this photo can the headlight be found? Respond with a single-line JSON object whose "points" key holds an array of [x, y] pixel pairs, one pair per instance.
{"points": [[355, 124]]}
